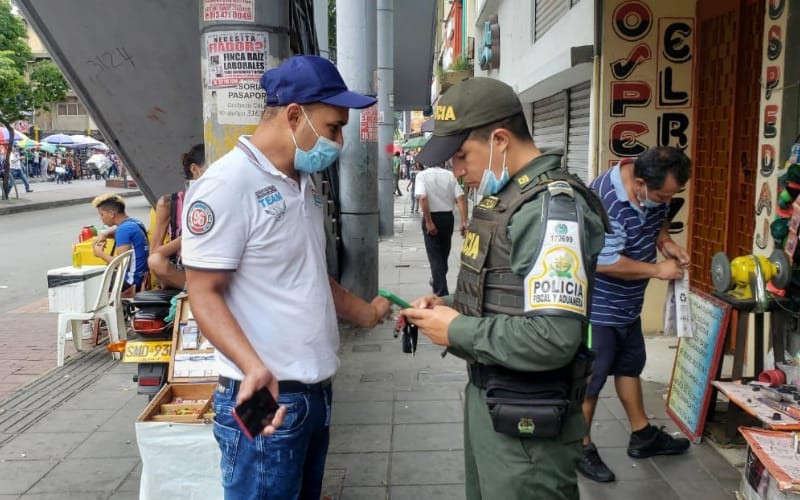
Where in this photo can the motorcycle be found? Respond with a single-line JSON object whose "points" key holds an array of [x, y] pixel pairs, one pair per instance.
{"points": [[150, 345]]}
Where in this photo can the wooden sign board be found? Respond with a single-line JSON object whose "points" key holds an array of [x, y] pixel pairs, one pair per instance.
{"points": [[696, 364]]}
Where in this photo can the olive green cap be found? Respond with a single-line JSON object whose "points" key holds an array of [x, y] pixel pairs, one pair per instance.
{"points": [[466, 106]]}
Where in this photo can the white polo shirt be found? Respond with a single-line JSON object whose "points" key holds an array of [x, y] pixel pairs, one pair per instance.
{"points": [[440, 187], [244, 215]]}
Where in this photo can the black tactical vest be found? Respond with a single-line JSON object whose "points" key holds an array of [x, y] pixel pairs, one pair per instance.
{"points": [[486, 283]]}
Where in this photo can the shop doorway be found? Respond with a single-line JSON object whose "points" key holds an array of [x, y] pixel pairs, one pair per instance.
{"points": [[727, 95]]}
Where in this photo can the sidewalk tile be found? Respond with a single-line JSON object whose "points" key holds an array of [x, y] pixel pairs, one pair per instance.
{"points": [[343, 395], [72, 421], [360, 469], [609, 433], [360, 438], [17, 476], [125, 495], [41, 445], [120, 443], [86, 474], [428, 437], [427, 412], [649, 490], [425, 393], [364, 493], [439, 492], [700, 490], [372, 412], [67, 495], [429, 467]]}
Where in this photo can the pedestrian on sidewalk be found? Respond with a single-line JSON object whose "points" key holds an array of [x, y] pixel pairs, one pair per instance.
{"points": [[36, 164], [636, 195], [254, 253], [396, 174], [164, 260], [537, 230], [438, 193], [15, 166], [412, 186]]}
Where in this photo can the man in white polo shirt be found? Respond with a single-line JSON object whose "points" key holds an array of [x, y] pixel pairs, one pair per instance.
{"points": [[254, 250], [438, 191]]}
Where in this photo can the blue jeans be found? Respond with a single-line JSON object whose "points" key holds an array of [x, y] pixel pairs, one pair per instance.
{"points": [[287, 465], [19, 174]]}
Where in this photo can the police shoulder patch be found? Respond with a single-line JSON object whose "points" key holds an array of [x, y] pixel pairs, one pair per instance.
{"points": [[199, 218]]}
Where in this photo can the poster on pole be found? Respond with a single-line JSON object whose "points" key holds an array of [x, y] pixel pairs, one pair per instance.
{"points": [[234, 57], [696, 364], [240, 105], [368, 124], [228, 10]]}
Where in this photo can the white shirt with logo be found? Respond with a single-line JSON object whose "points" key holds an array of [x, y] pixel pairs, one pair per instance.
{"points": [[14, 161], [250, 218], [440, 187]]}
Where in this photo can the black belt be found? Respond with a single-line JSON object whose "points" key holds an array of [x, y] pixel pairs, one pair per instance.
{"points": [[284, 386], [477, 375]]}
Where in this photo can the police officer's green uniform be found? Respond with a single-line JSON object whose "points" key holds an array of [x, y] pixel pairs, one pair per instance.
{"points": [[513, 282]]}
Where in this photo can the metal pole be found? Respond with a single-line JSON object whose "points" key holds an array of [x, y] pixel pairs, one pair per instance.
{"points": [[386, 116], [239, 42], [321, 24], [357, 176]]}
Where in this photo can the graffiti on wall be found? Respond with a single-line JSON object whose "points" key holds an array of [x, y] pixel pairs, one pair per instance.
{"points": [[769, 137]]}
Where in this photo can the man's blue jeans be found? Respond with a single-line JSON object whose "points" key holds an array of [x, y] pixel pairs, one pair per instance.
{"points": [[287, 465], [19, 174]]}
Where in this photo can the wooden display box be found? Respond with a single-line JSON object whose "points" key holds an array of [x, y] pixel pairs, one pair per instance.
{"points": [[198, 388]]}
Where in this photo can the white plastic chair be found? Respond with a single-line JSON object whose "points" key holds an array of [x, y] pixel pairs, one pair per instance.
{"points": [[108, 307]]}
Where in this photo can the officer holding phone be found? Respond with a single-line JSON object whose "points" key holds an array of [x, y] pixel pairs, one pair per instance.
{"points": [[254, 252], [519, 314]]}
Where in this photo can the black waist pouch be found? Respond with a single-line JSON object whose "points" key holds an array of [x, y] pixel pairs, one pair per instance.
{"points": [[531, 418], [531, 406]]}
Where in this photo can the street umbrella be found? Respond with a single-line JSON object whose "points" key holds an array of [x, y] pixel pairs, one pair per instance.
{"points": [[59, 139], [26, 143], [47, 148], [84, 141], [416, 142], [18, 136]]}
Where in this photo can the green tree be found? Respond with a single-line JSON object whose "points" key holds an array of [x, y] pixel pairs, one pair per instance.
{"points": [[25, 86]]}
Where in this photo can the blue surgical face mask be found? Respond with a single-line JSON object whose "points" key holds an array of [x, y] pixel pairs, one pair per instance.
{"points": [[491, 185], [319, 157], [647, 202]]}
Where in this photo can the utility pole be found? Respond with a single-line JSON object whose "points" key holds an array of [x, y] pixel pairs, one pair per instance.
{"points": [[386, 116], [240, 40], [356, 58]]}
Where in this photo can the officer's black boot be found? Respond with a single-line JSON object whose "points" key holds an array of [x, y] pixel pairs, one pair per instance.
{"points": [[652, 441], [592, 466]]}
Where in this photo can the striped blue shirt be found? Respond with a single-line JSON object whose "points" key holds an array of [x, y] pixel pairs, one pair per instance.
{"points": [[618, 302]]}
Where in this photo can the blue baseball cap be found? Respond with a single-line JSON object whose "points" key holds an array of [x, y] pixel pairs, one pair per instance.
{"points": [[308, 79]]}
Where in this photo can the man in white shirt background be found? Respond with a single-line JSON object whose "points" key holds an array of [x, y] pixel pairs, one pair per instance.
{"points": [[15, 165], [438, 193]]}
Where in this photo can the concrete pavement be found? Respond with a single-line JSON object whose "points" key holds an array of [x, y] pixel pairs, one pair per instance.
{"points": [[396, 429], [49, 195]]}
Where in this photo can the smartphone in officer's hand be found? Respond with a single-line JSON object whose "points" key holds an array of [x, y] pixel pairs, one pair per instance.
{"points": [[256, 413]]}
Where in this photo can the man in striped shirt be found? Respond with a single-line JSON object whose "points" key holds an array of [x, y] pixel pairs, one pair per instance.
{"points": [[636, 195]]}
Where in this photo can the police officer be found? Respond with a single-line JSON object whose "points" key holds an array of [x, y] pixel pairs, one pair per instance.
{"points": [[519, 315]]}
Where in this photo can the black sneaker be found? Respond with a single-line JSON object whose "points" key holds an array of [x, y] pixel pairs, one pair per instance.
{"points": [[592, 466], [658, 443]]}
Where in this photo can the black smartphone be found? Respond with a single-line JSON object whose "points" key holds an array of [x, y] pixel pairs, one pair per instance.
{"points": [[256, 413]]}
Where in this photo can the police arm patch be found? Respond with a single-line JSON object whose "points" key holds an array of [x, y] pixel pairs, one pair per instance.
{"points": [[199, 218]]}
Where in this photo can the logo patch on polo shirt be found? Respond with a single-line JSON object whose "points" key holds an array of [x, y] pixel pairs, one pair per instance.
{"points": [[271, 200], [199, 218]]}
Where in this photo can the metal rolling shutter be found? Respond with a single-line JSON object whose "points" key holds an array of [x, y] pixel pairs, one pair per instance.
{"points": [[548, 122], [578, 135], [547, 13]]}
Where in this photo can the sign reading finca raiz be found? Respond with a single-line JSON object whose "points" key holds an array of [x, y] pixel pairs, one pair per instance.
{"points": [[648, 62]]}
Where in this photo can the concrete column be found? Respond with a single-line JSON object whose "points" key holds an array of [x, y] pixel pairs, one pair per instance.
{"points": [[357, 173], [236, 48], [385, 116]]}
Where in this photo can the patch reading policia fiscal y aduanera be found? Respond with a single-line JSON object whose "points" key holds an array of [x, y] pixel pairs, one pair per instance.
{"points": [[557, 280], [199, 218]]}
